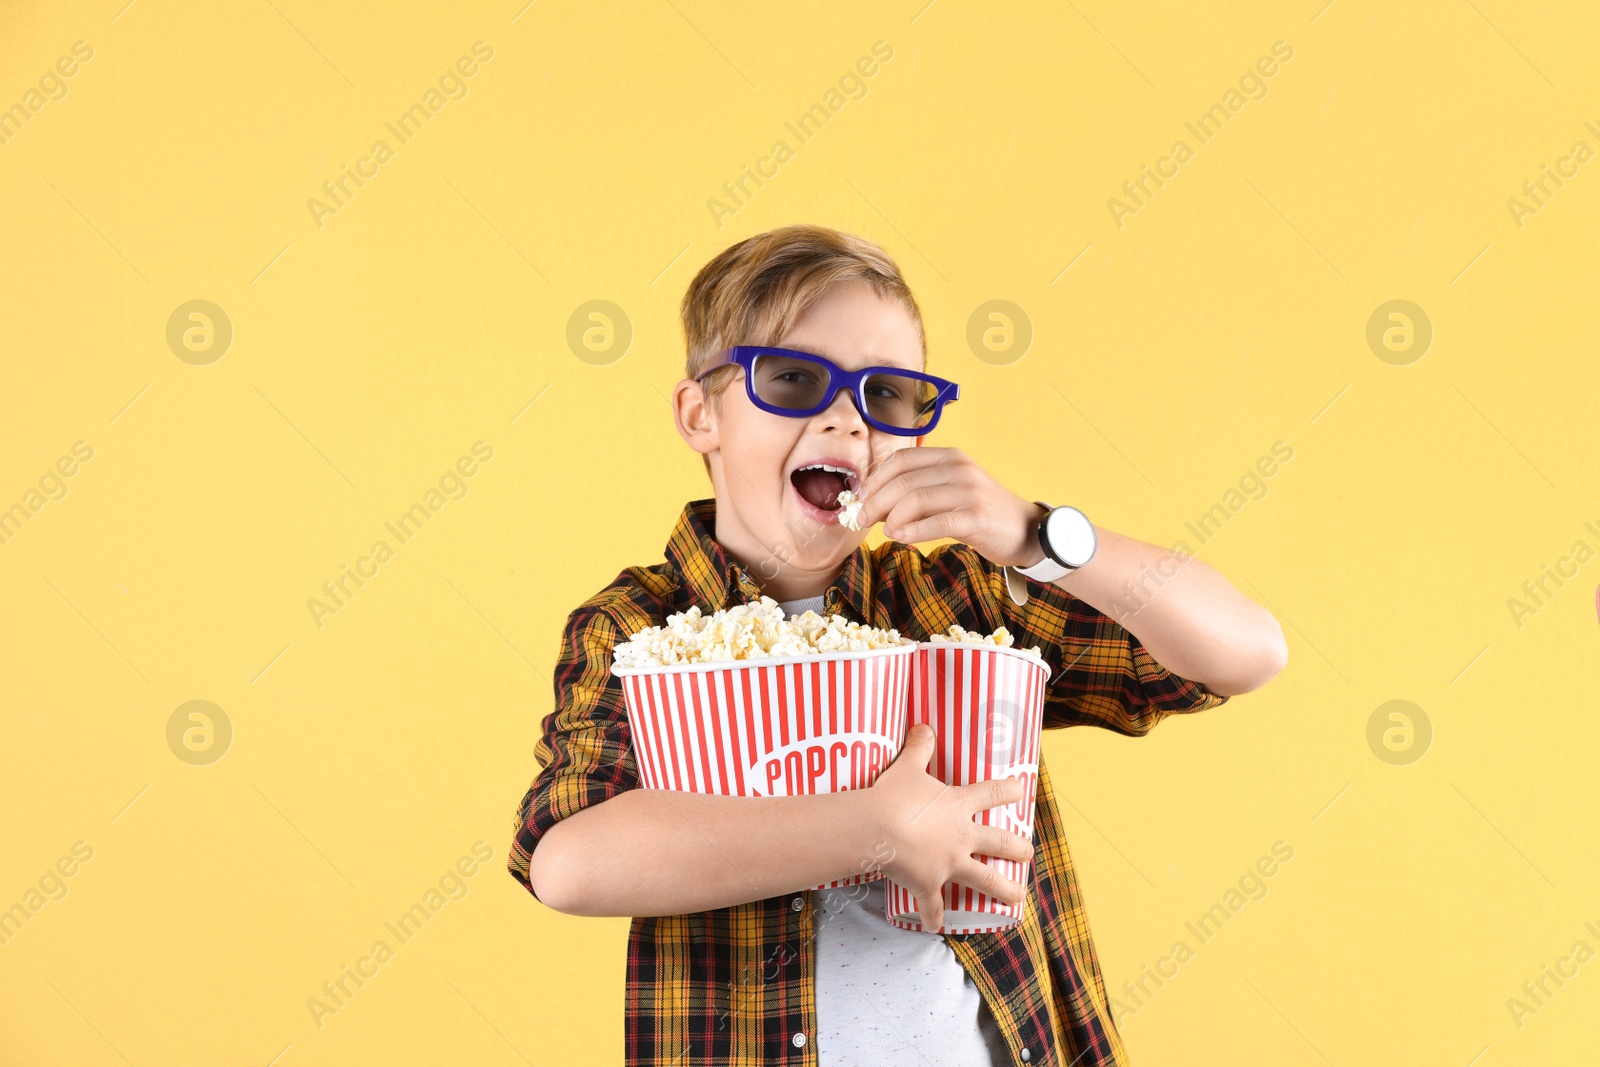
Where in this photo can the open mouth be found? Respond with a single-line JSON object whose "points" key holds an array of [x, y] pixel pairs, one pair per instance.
{"points": [[820, 484]]}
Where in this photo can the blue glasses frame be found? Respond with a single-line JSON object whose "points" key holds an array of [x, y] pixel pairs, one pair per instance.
{"points": [[744, 356]]}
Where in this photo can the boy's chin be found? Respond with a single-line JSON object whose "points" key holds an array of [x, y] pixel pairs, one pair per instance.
{"points": [[815, 560]]}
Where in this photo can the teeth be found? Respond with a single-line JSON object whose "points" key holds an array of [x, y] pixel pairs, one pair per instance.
{"points": [[846, 471]]}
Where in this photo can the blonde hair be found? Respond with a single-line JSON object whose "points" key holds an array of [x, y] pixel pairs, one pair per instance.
{"points": [[753, 292]]}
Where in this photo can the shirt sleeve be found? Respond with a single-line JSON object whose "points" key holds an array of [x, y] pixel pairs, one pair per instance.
{"points": [[585, 751], [1100, 673]]}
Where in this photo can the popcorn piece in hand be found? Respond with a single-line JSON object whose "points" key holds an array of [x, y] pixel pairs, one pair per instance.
{"points": [[1001, 637], [850, 510], [748, 631]]}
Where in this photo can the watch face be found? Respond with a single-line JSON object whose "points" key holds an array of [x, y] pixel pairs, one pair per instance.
{"points": [[1071, 535]]}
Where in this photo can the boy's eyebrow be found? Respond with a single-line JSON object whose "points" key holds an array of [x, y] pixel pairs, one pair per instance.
{"points": [[820, 350]]}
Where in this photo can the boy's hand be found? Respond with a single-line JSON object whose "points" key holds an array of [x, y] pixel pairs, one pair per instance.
{"points": [[931, 833], [920, 494]]}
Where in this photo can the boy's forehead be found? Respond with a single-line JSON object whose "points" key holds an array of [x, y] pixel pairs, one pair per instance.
{"points": [[853, 356]]}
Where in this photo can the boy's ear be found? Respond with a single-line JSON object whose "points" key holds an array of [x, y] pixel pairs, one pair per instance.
{"points": [[693, 417]]}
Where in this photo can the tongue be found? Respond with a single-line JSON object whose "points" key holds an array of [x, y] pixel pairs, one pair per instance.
{"points": [[820, 487]]}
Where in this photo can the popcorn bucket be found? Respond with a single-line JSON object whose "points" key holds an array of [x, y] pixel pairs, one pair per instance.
{"points": [[986, 705], [776, 726]]}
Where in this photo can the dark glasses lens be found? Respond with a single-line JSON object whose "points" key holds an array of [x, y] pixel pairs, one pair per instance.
{"points": [[899, 399], [801, 385], [786, 382]]}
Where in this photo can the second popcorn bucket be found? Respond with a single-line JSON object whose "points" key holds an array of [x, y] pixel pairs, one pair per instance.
{"points": [[773, 726], [744, 703], [986, 706]]}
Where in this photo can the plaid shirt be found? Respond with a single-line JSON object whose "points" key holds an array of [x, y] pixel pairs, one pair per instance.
{"points": [[734, 986]]}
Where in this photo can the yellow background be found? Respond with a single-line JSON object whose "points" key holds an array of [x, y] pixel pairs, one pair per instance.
{"points": [[1228, 313]]}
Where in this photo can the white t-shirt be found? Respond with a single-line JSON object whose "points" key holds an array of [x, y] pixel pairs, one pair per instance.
{"points": [[887, 995]]}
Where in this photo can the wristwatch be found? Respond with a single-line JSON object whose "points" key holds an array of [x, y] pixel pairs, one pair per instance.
{"points": [[1067, 537]]}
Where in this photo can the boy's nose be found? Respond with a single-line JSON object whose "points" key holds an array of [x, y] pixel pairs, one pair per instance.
{"points": [[843, 412]]}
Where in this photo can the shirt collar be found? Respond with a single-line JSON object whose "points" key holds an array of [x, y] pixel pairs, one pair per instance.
{"points": [[716, 580]]}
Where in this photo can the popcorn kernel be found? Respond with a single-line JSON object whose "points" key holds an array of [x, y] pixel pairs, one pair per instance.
{"points": [[1001, 637], [850, 513], [755, 630]]}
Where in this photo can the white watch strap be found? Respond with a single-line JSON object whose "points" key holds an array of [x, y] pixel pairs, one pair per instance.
{"points": [[1046, 570], [1016, 586]]}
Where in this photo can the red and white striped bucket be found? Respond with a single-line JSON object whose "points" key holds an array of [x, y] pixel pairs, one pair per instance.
{"points": [[986, 705], [779, 726]]}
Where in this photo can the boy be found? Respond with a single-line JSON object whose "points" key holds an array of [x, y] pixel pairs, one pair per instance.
{"points": [[731, 958]]}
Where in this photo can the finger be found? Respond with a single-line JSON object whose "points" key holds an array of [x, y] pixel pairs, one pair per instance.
{"points": [[882, 467], [919, 745], [1001, 844], [882, 451], [992, 793], [957, 521], [927, 501], [884, 493], [985, 879]]}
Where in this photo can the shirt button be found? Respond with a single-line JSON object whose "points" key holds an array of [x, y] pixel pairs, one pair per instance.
{"points": [[797, 903], [1026, 1055], [798, 1041]]}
